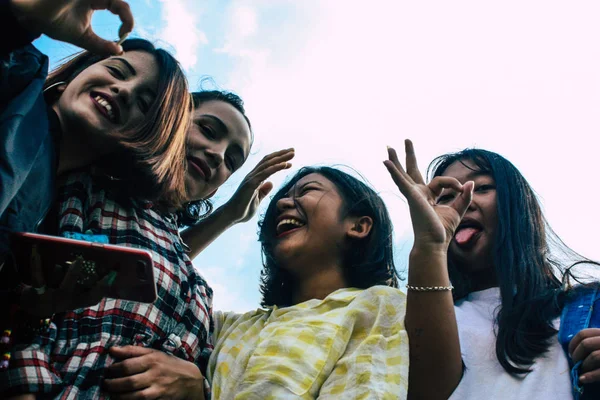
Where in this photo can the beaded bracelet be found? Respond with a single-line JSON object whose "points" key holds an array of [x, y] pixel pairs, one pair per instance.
{"points": [[429, 288]]}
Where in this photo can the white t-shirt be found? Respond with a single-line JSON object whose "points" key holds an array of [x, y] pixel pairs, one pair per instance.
{"points": [[484, 377]]}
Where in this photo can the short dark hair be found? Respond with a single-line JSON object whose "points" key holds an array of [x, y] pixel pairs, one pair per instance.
{"points": [[193, 211], [526, 260], [368, 263]]}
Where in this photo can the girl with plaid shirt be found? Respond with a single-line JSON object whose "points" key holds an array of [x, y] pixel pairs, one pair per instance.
{"points": [[164, 345]]}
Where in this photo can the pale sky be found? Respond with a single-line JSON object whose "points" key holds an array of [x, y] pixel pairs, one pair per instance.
{"points": [[339, 80]]}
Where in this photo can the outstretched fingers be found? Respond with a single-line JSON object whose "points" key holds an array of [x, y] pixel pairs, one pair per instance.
{"points": [[275, 158], [268, 166], [412, 168], [397, 172]]}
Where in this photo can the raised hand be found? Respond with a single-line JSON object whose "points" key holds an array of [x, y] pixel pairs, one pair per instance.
{"points": [[243, 204], [429, 311], [70, 21], [433, 224]]}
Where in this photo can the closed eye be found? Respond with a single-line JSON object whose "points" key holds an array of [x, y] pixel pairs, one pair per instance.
{"points": [[116, 72], [307, 189]]}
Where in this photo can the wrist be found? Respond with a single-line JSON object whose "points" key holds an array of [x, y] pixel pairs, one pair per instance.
{"points": [[228, 215], [429, 251], [428, 266]]}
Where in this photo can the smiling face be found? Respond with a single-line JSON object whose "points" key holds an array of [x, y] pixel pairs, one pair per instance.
{"points": [[218, 145], [309, 224], [473, 243], [111, 95]]}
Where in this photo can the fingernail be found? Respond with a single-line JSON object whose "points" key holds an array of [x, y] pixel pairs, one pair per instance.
{"points": [[583, 378], [112, 275]]}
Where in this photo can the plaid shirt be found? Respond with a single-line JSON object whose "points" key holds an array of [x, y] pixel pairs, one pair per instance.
{"points": [[69, 360]]}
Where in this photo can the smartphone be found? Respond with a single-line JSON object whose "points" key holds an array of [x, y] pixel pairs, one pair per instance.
{"points": [[134, 267]]}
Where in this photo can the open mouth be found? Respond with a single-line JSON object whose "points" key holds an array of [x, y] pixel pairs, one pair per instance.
{"points": [[200, 166], [106, 105], [288, 225], [467, 232]]}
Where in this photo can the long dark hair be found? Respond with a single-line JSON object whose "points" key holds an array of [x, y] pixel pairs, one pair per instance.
{"points": [[193, 211], [152, 164], [369, 262], [529, 262]]}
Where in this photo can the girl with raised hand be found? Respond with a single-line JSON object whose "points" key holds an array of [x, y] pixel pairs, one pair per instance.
{"points": [[161, 347], [332, 326], [127, 114], [479, 227]]}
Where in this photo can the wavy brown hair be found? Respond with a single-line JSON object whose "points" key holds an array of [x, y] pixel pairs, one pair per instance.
{"points": [[151, 164]]}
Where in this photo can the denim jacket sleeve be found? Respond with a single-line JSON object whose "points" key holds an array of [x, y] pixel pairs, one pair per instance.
{"points": [[581, 311], [23, 116]]}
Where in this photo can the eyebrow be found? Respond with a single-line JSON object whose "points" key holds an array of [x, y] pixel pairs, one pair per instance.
{"points": [[478, 173], [126, 63], [217, 121]]}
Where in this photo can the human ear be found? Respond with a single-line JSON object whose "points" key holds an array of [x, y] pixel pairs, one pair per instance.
{"points": [[360, 227]]}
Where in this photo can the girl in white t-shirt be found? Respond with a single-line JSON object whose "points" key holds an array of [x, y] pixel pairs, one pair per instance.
{"points": [[479, 225]]}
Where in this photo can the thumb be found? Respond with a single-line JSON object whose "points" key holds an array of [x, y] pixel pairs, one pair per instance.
{"points": [[128, 351], [95, 44], [264, 190]]}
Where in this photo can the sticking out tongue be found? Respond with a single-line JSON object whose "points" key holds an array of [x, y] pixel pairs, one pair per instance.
{"points": [[465, 235]]}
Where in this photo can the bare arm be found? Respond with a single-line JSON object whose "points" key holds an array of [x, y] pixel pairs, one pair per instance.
{"points": [[242, 206], [198, 237], [435, 359]]}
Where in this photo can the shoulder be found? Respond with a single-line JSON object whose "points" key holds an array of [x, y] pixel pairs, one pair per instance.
{"points": [[377, 303], [382, 295]]}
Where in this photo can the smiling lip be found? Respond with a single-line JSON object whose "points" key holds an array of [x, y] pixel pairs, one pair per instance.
{"points": [[288, 216], [200, 166], [285, 233], [115, 107]]}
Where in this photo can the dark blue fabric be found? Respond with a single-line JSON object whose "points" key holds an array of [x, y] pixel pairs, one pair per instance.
{"points": [[27, 146], [581, 311]]}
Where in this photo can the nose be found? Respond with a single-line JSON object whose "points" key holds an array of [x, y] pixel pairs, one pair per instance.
{"points": [[285, 203], [122, 93], [215, 157]]}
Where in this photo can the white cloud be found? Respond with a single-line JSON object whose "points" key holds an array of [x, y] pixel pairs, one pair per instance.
{"points": [[181, 30], [340, 80]]}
